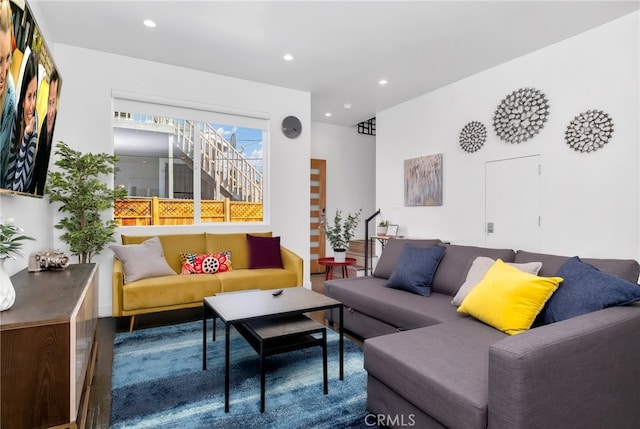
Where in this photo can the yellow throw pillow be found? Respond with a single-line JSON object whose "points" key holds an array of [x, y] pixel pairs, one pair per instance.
{"points": [[508, 299]]}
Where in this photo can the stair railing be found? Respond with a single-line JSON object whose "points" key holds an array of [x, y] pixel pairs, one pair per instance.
{"points": [[366, 241], [221, 161]]}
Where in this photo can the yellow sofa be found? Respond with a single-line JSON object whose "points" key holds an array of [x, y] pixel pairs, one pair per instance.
{"points": [[156, 294]]}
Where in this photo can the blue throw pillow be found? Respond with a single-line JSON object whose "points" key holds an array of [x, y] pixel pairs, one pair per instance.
{"points": [[586, 289], [415, 269]]}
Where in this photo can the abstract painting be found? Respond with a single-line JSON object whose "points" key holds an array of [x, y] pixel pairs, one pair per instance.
{"points": [[423, 181]]}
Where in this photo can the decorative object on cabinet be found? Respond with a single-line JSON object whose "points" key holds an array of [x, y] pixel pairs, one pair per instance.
{"points": [[77, 186], [589, 131], [521, 115], [423, 181], [7, 291], [11, 241], [52, 259], [473, 136]]}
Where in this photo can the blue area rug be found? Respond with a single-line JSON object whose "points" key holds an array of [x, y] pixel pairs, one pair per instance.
{"points": [[158, 382]]}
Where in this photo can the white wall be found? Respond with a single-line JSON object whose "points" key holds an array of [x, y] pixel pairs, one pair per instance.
{"points": [[351, 172], [85, 123], [590, 202]]}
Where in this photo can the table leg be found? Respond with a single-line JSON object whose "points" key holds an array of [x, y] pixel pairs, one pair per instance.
{"points": [[262, 377], [326, 273], [324, 362], [341, 342], [227, 327], [345, 272], [204, 337]]}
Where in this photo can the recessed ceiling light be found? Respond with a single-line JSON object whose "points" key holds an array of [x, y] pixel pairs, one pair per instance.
{"points": [[288, 57], [327, 114], [149, 23], [347, 105], [382, 82]]}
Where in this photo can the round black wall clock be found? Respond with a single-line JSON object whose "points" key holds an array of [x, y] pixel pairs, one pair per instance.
{"points": [[291, 127]]}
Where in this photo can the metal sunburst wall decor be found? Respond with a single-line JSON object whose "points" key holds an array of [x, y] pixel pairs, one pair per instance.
{"points": [[521, 115], [473, 136], [589, 131]]}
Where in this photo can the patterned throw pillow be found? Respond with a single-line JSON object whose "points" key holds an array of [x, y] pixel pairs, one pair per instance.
{"points": [[207, 263]]}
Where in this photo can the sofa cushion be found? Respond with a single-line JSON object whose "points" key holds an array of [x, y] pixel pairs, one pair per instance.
{"points": [[624, 268], [166, 292], [509, 299], [266, 278], [586, 289], [141, 261], [205, 263], [236, 243], [264, 252], [368, 295], [440, 369], [173, 245], [479, 268], [415, 269], [456, 262], [392, 250]]}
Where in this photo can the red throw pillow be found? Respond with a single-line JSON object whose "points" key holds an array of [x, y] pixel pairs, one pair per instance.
{"points": [[264, 252], [208, 263]]}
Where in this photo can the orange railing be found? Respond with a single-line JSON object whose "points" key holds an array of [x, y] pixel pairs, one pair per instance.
{"points": [[157, 211]]}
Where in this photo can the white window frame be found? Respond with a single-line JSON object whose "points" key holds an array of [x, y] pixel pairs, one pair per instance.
{"points": [[122, 101]]}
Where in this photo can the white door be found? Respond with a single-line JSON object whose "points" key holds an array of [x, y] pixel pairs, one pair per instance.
{"points": [[512, 204]]}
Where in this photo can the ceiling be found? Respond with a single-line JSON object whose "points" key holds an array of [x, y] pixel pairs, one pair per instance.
{"points": [[341, 49]]}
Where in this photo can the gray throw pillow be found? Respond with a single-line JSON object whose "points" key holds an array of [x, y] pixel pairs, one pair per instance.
{"points": [[479, 268], [144, 260]]}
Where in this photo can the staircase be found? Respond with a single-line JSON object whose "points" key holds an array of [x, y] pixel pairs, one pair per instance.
{"points": [[233, 175], [356, 250]]}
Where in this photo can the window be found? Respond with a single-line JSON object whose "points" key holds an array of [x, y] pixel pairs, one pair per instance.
{"points": [[183, 171]]}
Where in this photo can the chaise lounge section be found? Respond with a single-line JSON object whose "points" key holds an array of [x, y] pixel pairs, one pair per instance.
{"points": [[436, 367]]}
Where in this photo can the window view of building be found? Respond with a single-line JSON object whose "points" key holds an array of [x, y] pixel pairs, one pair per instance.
{"points": [[179, 171]]}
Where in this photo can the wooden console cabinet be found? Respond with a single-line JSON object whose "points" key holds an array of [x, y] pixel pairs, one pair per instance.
{"points": [[48, 348]]}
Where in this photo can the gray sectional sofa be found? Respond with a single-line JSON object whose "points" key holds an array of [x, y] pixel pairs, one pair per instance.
{"points": [[432, 367]]}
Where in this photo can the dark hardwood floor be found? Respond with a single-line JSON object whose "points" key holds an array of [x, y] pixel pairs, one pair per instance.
{"points": [[100, 398]]}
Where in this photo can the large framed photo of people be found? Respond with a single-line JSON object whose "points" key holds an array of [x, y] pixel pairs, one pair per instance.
{"points": [[29, 94]]}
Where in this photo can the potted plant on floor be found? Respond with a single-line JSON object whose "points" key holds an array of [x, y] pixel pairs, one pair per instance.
{"points": [[340, 233], [84, 196]]}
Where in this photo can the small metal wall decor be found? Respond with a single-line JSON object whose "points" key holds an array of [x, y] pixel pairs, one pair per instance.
{"points": [[473, 136], [589, 131], [521, 115]]}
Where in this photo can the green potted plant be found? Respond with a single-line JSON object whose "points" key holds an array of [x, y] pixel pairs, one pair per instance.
{"points": [[84, 196], [382, 227], [340, 233], [11, 241]]}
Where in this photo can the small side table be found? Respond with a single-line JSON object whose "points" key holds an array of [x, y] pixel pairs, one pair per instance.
{"points": [[329, 263]]}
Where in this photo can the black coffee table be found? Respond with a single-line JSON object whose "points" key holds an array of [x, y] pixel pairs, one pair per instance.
{"points": [[244, 310]]}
